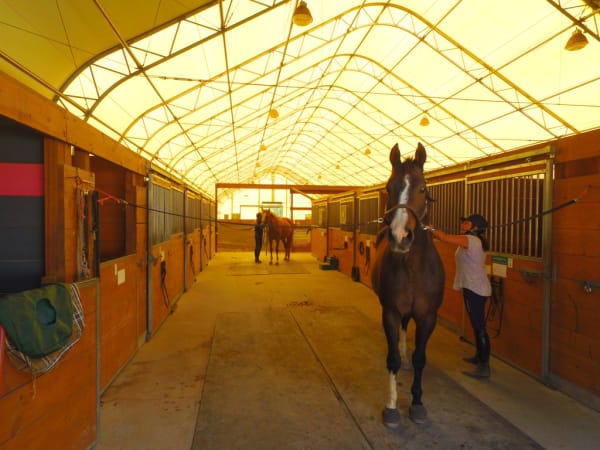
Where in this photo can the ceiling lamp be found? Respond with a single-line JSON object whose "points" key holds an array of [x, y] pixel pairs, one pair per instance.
{"points": [[263, 147], [273, 114], [368, 151], [577, 41], [424, 121], [302, 16], [337, 166]]}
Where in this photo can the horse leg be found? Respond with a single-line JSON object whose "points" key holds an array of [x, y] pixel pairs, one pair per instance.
{"points": [[277, 252], [404, 360], [424, 328], [391, 416], [271, 250]]}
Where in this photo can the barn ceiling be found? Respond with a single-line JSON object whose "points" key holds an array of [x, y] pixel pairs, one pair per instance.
{"points": [[233, 91]]}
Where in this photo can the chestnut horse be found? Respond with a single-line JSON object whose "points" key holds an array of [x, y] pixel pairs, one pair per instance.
{"points": [[407, 275], [278, 229]]}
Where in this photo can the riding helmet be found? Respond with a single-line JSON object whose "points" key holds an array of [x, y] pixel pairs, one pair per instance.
{"points": [[477, 220]]}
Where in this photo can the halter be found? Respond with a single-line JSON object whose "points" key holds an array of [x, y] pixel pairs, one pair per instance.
{"points": [[418, 218]]}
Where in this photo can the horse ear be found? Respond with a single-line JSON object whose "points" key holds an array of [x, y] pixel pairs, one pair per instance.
{"points": [[420, 155], [395, 155]]}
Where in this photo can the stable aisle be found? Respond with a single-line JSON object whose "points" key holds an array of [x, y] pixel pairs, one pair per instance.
{"points": [[290, 356]]}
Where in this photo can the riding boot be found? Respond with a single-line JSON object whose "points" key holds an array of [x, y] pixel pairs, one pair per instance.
{"points": [[476, 357], [483, 366], [472, 359]]}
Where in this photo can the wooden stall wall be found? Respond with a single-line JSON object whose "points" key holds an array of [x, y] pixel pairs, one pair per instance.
{"points": [[193, 256], [120, 323], [167, 279], [207, 245], [60, 211], [365, 256], [208, 234], [341, 236], [193, 224], [122, 314], [341, 245], [319, 232], [519, 338], [212, 237], [204, 244], [301, 238], [167, 265], [318, 239], [60, 408], [575, 311], [369, 210], [57, 409], [141, 226]]}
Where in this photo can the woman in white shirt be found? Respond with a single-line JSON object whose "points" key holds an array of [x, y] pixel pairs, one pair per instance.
{"points": [[472, 278]]}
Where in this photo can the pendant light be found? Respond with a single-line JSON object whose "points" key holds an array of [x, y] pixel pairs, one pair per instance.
{"points": [[302, 16], [577, 41]]}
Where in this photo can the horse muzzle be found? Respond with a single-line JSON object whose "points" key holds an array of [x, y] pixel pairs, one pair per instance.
{"points": [[400, 240]]}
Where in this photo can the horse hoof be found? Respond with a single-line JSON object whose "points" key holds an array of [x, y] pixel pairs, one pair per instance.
{"points": [[391, 417], [417, 413]]}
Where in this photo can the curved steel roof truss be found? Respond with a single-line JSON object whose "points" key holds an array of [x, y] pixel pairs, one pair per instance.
{"points": [[193, 90]]}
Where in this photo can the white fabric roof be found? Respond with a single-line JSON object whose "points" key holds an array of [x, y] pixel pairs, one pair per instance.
{"points": [[190, 84]]}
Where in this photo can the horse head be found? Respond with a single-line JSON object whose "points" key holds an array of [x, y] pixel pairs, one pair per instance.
{"points": [[267, 216], [407, 198]]}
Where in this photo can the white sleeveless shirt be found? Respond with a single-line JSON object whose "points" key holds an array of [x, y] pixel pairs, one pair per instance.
{"points": [[470, 268]]}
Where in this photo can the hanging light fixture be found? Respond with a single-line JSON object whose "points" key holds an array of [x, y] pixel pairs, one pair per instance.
{"points": [[368, 151], [577, 41], [424, 121], [273, 114], [302, 16], [263, 147]]}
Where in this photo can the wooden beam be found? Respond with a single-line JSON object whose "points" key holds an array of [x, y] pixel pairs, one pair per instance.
{"points": [[304, 188], [17, 102]]}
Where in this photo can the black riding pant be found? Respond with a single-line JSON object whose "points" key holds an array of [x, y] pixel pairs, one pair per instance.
{"points": [[257, 247], [475, 305]]}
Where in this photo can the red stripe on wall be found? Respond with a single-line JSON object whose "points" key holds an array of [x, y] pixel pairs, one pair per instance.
{"points": [[21, 180]]}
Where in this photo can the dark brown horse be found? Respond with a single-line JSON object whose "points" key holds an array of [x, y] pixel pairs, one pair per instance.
{"points": [[279, 229], [407, 276]]}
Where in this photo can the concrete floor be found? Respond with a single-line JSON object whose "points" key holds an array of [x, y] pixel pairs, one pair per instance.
{"points": [[155, 401]]}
